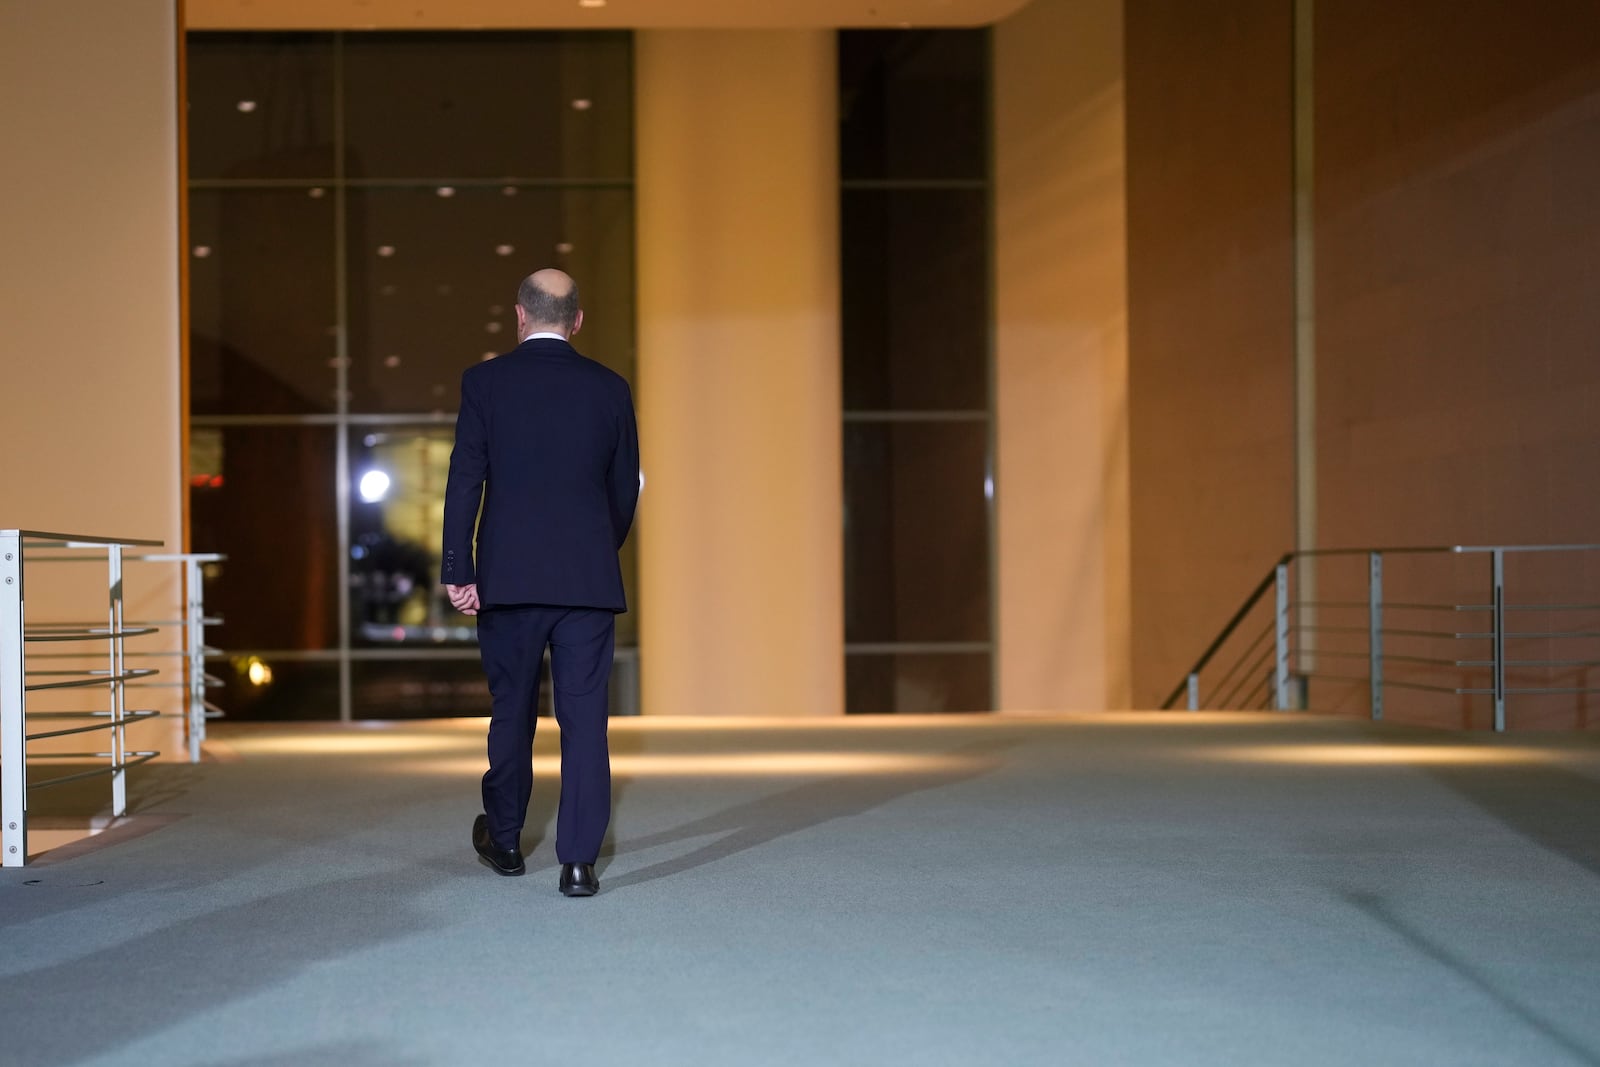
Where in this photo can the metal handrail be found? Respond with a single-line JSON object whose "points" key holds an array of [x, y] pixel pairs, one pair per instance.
{"points": [[18, 547], [1294, 629]]}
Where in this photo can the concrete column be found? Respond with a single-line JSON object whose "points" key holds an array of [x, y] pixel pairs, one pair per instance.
{"points": [[90, 364], [1061, 357], [741, 561]]}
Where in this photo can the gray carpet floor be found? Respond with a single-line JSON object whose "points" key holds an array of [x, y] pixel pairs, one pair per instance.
{"points": [[1121, 889]]}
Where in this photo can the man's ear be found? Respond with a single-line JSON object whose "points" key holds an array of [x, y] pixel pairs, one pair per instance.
{"points": [[522, 320], [577, 323]]}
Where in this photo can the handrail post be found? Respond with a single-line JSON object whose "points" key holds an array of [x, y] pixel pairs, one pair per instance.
{"points": [[1281, 638], [194, 636], [13, 708], [119, 731], [1192, 684], [1375, 632], [1498, 576]]}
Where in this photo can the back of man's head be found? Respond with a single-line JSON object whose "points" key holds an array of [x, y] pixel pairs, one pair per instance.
{"points": [[549, 301]]}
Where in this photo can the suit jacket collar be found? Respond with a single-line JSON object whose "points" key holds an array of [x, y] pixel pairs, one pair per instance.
{"points": [[545, 344]]}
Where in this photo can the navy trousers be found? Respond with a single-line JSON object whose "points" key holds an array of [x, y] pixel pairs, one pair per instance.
{"points": [[582, 643]]}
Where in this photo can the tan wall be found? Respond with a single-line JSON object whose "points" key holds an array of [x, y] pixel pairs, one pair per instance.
{"points": [[1061, 357], [1458, 158], [89, 442], [1210, 302], [567, 14], [739, 530]]}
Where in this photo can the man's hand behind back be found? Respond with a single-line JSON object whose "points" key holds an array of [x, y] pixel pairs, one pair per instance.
{"points": [[464, 598]]}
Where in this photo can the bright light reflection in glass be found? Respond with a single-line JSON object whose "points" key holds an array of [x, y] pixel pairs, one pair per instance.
{"points": [[386, 251], [504, 250], [582, 104], [446, 191], [202, 251], [258, 672], [564, 247], [246, 106], [374, 486]]}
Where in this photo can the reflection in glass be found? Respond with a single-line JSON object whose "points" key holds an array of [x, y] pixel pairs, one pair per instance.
{"points": [[913, 104], [915, 278], [914, 684], [489, 105], [262, 308], [432, 292], [261, 686], [260, 105], [264, 496], [419, 688], [424, 687], [916, 532], [395, 595]]}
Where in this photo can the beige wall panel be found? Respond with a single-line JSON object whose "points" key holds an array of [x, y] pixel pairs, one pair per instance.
{"points": [[610, 14], [1061, 357], [1458, 160], [89, 439], [741, 583], [1211, 328]]}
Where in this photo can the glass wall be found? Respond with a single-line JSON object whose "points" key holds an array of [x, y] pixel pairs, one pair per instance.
{"points": [[361, 210], [919, 490]]}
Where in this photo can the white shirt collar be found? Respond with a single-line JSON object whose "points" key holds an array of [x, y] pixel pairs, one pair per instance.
{"points": [[544, 337]]}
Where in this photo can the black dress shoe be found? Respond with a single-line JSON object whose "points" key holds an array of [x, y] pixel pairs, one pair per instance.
{"points": [[578, 880], [507, 861]]}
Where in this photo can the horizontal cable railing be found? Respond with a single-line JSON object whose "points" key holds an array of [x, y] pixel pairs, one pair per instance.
{"points": [[1333, 636], [48, 658]]}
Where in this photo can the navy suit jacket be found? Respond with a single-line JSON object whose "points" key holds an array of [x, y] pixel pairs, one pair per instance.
{"points": [[547, 440]]}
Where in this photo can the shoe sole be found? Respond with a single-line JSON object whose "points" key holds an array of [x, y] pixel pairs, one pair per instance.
{"points": [[579, 891], [497, 869]]}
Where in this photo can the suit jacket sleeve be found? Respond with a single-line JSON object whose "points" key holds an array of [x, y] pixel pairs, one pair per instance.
{"points": [[469, 468], [624, 475]]}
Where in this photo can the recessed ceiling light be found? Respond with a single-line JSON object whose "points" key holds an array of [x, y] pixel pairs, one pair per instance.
{"points": [[446, 191], [246, 106], [318, 193], [504, 250], [492, 327], [202, 251], [582, 104], [591, 3], [508, 190], [564, 248], [386, 251], [391, 362]]}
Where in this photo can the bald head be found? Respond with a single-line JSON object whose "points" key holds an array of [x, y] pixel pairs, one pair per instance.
{"points": [[547, 302]]}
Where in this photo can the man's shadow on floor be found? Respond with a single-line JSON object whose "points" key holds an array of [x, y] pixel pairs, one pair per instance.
{"points": [[765, 819]]}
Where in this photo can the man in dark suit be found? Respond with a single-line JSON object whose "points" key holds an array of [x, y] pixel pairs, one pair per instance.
{"points": [[547, 440]]}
